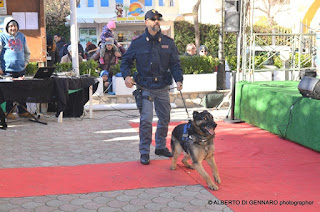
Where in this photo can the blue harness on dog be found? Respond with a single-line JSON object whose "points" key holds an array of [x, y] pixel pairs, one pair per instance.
{"points": [[185, 134]]}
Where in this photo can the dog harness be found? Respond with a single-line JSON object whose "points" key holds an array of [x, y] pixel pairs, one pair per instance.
{"points": [[185, 134]]}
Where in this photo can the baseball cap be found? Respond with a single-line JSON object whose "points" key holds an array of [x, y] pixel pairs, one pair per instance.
{"points": [[151, 14]]}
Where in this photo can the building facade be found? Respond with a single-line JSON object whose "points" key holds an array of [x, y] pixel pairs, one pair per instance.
{"points": [[92, 15]]}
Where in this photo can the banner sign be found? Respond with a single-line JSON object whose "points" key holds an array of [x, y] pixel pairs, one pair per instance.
{"points": [[134, 13]]}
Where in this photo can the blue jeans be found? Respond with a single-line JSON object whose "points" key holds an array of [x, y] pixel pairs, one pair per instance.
{"points": [[162, 108]]}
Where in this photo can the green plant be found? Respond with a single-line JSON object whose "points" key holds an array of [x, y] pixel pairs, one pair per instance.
{"points": [[259, 61], [31, 68], [89, 67], [232, 62], [116, 68], [85, 67], [63, 67], [277, 61], [305, 61], [198, 64]]}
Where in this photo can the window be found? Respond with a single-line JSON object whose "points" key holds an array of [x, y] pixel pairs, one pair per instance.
{"points": [[161, 3], [148, 2], [88, 34], [132, 1], [90, 3], [104, 3], [172, 3], [119, 1]]}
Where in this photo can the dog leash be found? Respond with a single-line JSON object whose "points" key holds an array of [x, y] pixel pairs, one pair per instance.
{"points": [[184, 103]]}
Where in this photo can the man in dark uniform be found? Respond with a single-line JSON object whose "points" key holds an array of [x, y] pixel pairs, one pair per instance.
{"points": [[157, 61]]}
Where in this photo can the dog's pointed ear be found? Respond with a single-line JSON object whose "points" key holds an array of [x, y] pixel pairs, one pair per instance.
{"points": [[195, 113]]}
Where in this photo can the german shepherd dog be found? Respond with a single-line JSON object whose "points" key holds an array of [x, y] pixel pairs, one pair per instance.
{"points": [[195, 139]]}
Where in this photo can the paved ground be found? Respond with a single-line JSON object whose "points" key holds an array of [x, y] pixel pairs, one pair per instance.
{"points": [[78, 141]]}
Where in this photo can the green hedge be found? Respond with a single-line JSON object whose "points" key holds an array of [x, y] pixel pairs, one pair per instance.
{"points": [[305, 60], [86, 67], [189, 65], [258, 61], [209, 36], [198, 64]]}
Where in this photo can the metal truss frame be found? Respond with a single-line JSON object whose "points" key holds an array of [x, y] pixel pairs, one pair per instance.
{"points": [[294, 50]]}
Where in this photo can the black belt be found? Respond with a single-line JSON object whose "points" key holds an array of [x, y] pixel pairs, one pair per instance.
{"points": [[153, 79]]}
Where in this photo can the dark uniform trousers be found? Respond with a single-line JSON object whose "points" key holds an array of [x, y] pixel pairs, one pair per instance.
{"points": [[162, 108]]}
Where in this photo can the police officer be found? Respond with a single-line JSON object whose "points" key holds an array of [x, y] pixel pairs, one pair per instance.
{"points": [[157, 61]]}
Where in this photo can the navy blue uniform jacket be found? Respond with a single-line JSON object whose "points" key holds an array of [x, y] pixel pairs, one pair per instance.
{"points": [[157, 61]]}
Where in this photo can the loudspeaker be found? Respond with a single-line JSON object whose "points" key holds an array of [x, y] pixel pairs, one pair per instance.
{"points": [[308, 73], [232, 16], [310, 87]]}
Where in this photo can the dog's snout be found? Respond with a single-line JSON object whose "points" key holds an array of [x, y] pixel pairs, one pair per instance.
{"points": [[215, 124]]}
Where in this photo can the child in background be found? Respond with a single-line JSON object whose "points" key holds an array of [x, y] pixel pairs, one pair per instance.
{"points": [[105, 76], [107, 31]]}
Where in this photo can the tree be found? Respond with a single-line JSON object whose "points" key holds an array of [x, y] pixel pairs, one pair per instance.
{"points": [[272, 8], [56, 12], [195, 10]]}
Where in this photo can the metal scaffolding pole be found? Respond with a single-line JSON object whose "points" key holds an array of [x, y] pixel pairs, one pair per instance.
{"points": [[74, 36]]}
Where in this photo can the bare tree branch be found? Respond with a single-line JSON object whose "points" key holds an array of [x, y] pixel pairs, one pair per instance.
{"points": [[269, 5], [195, 10]]}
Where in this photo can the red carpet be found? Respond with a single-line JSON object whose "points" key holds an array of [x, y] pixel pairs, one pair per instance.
{"points": [[256, 165], [20, 182]]}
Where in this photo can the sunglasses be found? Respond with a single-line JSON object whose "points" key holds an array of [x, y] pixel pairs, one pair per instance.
{"points": [[154, 19]]}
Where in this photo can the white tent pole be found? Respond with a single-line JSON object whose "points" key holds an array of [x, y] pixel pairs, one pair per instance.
{"points": [[74, 36]]}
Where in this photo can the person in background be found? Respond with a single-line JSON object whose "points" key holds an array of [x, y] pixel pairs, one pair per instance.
{"points": [[107, 32], [190, 50], [157, 61], [64, 50], [110, 56], [60, 41], [90, 50], [52, 52], [203, 50], [106, 82], [14, 58], [68, 57]]}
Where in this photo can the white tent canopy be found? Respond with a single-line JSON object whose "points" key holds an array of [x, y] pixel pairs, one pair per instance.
{"points": [[93, 18]]}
